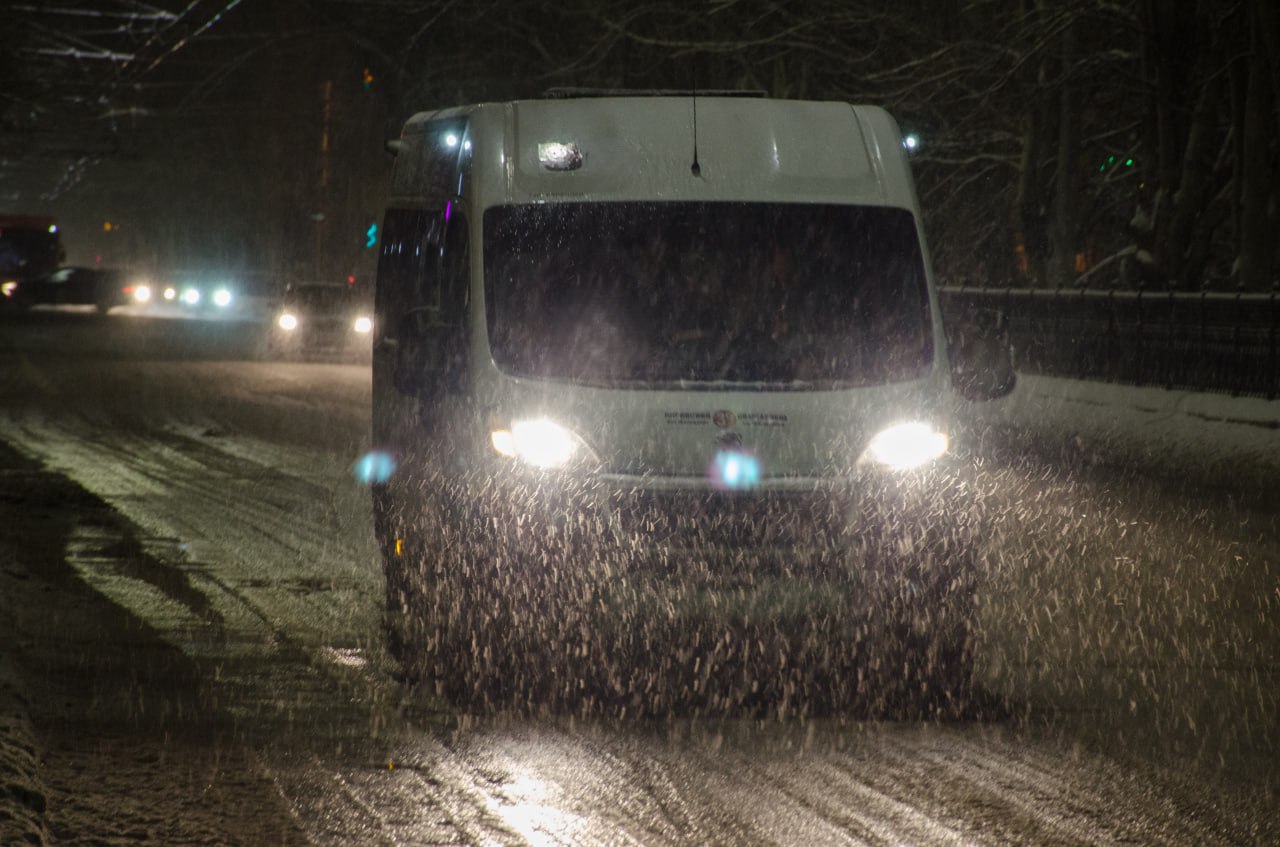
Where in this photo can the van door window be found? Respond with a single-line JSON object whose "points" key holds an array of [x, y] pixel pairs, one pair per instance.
{"points": [[407, 277], [455, 267]]}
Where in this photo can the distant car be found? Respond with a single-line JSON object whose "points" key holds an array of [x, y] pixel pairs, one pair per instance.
{"points": [[204, 296], [323, 319], [102, 288]]}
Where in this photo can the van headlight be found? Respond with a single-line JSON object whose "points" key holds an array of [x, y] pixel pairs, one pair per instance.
{"points": [[540, 443], [907, 445]]}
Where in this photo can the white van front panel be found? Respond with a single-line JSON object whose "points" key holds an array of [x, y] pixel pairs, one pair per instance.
{"points": [[665, 438]]}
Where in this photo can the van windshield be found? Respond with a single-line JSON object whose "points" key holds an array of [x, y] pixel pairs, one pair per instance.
{"points": [[703, 295]]}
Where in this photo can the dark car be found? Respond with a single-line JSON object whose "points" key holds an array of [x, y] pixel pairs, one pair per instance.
{"points": [[102, 288], [318, 320]]}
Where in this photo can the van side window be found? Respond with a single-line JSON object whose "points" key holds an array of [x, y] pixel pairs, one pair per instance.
{"points": [[446, 156]]}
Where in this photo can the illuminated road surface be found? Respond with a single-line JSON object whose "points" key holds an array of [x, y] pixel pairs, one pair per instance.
{"points": [[1131, 635]]}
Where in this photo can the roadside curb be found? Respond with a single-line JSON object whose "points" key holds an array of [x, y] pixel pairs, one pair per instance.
{"points": [[23, 799], [1154, 427], [22, 793], [1216, 408]]}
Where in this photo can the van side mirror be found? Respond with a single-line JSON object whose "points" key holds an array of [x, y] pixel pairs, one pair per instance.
{"points": [[981, 358], [430, 354]]}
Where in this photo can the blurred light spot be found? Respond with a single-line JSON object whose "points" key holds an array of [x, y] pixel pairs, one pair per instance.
{"points": [[191, 296], [375, 466], [363, 325], [287, 321], [222, 297], [734, 470]]}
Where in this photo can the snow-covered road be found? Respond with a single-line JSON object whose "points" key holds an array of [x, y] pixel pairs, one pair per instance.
{"points": [[1128, 626]]}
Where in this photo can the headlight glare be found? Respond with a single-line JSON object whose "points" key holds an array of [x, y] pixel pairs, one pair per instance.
{"points": [[908, 445], [287, 321], [540, 443], [362, 325]]}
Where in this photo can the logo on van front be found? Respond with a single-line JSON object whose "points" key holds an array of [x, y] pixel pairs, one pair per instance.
{"points": [[724, 419], [730, 441]]}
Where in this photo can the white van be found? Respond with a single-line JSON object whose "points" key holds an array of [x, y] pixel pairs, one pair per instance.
{"points": [[665, 386]]}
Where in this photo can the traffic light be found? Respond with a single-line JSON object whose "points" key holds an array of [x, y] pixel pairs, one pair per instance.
{"points": [[371, 236], [367, 79], [1112, 163]]}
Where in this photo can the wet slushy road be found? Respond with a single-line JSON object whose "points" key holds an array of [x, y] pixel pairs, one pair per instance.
{"points": [[220, 595]]}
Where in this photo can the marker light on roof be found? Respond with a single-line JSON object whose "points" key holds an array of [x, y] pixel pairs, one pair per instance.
{"points": [[556, 156]]}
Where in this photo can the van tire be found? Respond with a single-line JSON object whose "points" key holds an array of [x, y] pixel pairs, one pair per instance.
{"points": [[401, 595]]}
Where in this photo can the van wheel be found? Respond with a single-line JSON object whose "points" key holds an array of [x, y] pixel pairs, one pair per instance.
{"points": [[402, 594], [935, 637]]}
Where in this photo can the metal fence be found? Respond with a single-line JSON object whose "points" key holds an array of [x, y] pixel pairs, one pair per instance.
{"points": [[1204, 341]]}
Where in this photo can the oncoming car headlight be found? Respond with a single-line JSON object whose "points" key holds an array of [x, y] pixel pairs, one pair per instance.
{"points": [[907, 445], [540, 443], [222, 298], [141, 293]]}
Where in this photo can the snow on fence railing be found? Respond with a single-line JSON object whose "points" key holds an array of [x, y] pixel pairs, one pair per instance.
{"points": [[1206, 340]]}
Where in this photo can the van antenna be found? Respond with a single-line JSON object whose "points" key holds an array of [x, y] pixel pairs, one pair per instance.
{"points": [[695, 169]]}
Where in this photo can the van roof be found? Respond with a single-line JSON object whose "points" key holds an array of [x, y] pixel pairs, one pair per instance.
{"points": [[570, 92], [643, 147]]}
